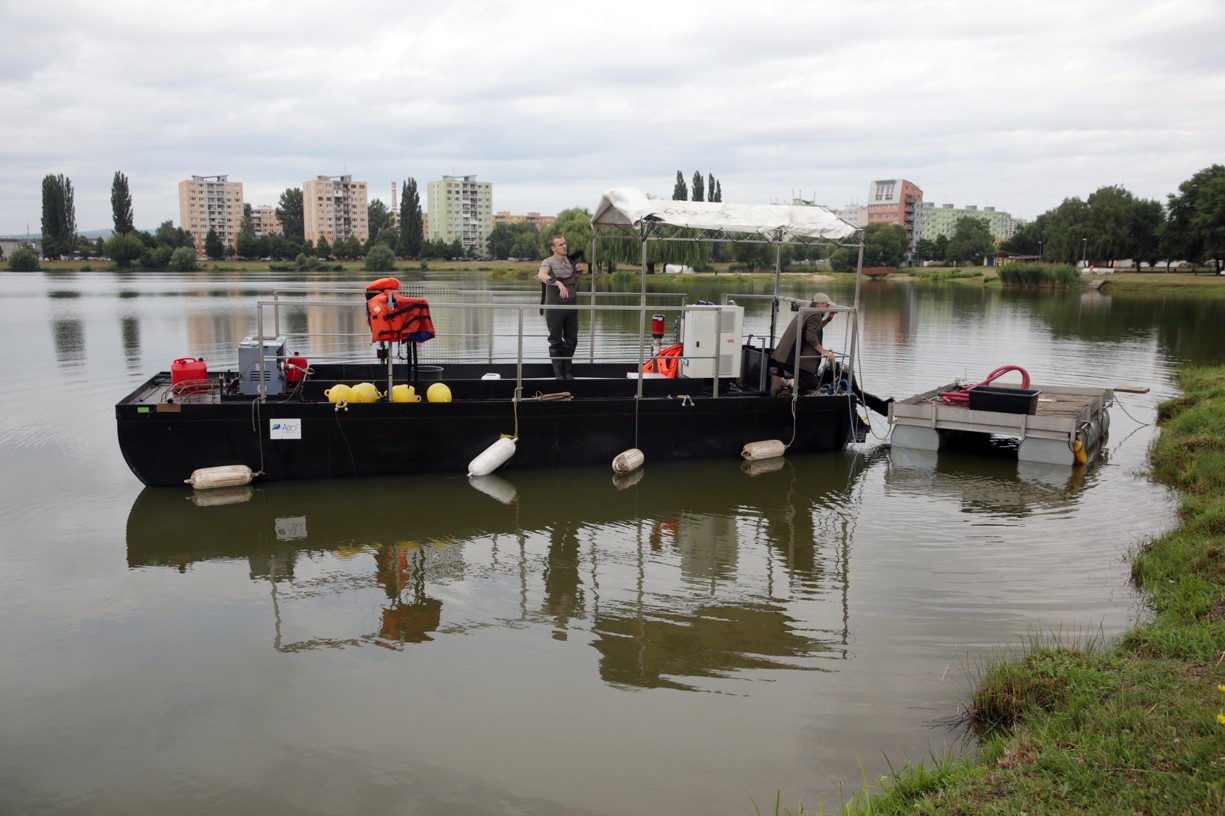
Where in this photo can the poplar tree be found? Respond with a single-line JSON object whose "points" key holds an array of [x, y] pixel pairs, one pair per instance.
{"points": [[412, 234], [292, 215], [59, 216], [680, 192], [699, 193], [213, 247], [121, 204]]}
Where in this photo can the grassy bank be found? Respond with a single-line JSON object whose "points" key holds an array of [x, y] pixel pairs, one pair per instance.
{"points": [[1136, 726]]}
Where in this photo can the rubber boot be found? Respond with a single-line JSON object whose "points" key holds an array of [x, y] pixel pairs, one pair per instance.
{"points": [[565, 369], [559, 370]]}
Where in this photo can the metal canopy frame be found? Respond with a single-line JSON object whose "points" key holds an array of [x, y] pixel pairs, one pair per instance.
{"points": [[652, 228]]}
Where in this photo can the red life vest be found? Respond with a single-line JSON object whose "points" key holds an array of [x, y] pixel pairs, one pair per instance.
{"points": [[666, 362], [397, 319], [381, 284]]}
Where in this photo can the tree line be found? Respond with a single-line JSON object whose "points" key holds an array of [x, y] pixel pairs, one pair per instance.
{"points": [[1112, 224]]}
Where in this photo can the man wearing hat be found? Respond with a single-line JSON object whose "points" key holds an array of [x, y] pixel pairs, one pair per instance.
{"points": [[812, 352]]}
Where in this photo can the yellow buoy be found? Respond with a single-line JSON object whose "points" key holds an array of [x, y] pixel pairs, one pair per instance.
{"points": [[339, 393], [1078, 450], [404, 393], [438, 392], [365, 392]]}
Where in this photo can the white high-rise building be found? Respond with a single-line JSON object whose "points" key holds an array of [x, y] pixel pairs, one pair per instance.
{"points": [[460, 208]]}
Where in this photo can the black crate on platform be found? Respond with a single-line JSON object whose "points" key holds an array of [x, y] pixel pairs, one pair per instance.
{"points": [[1004, 400], [752, 361]]}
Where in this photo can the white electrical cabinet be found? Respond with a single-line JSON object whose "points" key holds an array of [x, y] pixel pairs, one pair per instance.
{"points": [[712, 341]]}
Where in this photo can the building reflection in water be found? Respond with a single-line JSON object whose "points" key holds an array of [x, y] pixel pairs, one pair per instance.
{"points": [[130, 331], [69, 337]]}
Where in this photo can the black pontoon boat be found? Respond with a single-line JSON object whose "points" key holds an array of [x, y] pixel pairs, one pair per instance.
{"points": [[275, 417]]}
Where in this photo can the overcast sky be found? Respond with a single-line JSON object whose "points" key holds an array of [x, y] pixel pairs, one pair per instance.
{"points": [[1016, 105]]}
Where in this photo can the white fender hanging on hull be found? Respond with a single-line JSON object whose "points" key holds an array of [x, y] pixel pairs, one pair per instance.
{"points": [[493, 457], [212, 478], [628, 461], [766, 449]]}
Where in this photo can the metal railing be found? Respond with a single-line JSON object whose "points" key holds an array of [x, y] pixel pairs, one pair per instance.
{"points": [[441, 309]]}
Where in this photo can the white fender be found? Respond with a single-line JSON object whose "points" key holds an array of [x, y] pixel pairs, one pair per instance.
{"points": [[628, 461], [624, 481], [767, 449], [760, 467], [223, 476], [492, 458], [223, 495], [495, 487]]}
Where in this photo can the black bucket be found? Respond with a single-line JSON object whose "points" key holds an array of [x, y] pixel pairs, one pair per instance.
{"points": [[428, 373]]}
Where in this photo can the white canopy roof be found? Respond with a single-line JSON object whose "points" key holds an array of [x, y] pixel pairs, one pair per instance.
{"points": [[628, 206]]}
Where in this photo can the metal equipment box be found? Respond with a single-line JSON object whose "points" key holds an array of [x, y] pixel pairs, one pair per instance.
{"points": [[249, 373]]}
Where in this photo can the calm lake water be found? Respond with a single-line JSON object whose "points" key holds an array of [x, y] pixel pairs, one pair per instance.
{"points": [[543, 642]]}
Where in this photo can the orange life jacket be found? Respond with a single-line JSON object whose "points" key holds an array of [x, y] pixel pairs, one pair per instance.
{"points": [[665, 362], [398, 319], [383, 283]]}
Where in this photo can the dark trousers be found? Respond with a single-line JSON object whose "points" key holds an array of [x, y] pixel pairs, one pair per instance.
{"points": [[562, 322]]}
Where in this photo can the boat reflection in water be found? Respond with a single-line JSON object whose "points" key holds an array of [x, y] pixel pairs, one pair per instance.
{"points": [[677, 572], [985, 477]]}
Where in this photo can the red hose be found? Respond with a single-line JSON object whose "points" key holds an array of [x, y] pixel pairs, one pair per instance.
{"points": [[963, 395]]}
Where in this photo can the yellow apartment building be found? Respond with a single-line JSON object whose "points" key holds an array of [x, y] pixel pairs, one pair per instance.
{"points": [[211, 202], [335, 207], [264, 220]]}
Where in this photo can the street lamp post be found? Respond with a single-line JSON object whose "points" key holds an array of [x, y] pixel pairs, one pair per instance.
{"points": [[1039, 252], [1084, 253]]}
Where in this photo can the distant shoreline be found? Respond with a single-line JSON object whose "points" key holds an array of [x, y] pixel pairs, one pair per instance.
{"points": [[1153, 281]]}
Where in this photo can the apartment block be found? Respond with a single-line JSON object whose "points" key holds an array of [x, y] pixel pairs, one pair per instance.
{"points": [[211, 202], [853, 214], [542, 222], [265, 221], [856, 214], [335, 207], [461, 208], [897, 201], [942, 220]]}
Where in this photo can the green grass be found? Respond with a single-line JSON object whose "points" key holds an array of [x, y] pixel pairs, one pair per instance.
{"points": [[946, 273], [1081, 726], [1059, 276]]}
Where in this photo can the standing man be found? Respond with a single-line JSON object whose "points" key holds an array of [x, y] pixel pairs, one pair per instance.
{"points": [[560, 277]]}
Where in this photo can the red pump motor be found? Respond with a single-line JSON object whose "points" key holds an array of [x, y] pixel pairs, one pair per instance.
{"points": [[295, 368]]}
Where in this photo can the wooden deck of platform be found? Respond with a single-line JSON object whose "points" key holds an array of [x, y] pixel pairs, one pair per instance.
{"points": [[1063, 415]]}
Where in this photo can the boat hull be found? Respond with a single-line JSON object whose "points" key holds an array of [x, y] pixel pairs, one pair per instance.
{"points": [[306, 437]]}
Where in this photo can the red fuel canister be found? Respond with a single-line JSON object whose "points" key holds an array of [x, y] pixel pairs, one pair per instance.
{"points": [[295, 368], [188, 368]]}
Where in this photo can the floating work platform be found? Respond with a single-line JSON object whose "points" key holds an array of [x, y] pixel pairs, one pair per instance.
{"points": [[1063, 416]]}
